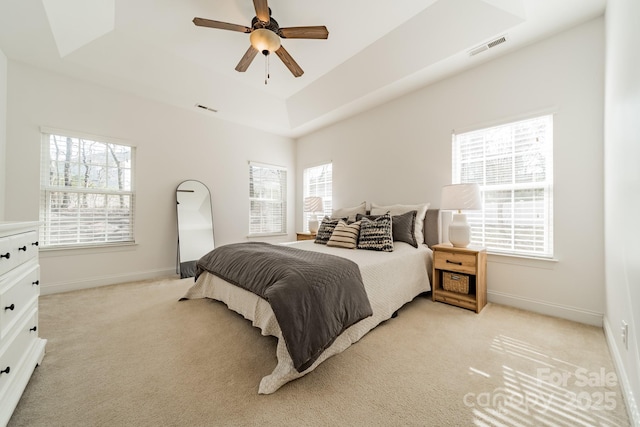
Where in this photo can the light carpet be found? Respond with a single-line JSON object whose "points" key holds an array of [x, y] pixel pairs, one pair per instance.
{"points": [[133, 355]]}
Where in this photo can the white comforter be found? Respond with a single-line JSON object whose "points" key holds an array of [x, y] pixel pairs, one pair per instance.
{"points": [[391, 279]]}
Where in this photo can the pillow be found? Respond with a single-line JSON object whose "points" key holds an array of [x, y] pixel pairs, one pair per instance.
{"points": [[402, 227], [326, 229], [350, 212], [400, 209], [376, 234], [345, 235]]}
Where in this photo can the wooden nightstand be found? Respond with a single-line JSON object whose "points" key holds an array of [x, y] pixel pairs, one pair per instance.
{"points": [[305, 236], [460, 264]]}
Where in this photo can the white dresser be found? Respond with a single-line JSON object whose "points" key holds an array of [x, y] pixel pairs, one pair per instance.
{"points": [[20, 348]]}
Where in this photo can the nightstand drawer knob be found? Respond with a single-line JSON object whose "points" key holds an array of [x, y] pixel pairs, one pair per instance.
{"points": [[6, 370], [454, 262]]}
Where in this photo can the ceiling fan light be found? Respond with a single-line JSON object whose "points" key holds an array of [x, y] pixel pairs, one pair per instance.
{"points": [[264, 40]]}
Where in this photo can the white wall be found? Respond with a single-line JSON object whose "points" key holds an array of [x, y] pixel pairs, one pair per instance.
{"points": [[401, 153], [172, 145], [622, 192], [3, 128]]}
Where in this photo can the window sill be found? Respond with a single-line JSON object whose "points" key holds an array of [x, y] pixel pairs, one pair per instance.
{"points": [[522, 260], [54, 251], [259, 236]]}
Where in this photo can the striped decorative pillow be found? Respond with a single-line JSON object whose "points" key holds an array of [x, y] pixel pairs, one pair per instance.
{"points": [[345, 235], [376, 234]]}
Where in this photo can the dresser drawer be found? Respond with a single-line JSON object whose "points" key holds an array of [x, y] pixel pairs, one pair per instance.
{"points": [[12, 355], [18, 290], [17, 249], [455, 261]]}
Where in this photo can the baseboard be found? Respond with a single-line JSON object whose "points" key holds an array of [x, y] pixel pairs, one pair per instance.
{"points": [[627, 392], [94, 282], [544, 307]]}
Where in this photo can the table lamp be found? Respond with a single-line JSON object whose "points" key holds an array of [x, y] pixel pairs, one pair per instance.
{"points": [[313, 205], [459, 197]]}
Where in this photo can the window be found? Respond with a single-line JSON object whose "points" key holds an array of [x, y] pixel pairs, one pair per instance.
{"points": [[317, 181], [86, 191], [513, 165], [268, 199]]}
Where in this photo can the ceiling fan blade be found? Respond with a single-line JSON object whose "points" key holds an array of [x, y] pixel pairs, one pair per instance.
{"points": [[318, 32], [246, 59], [289, 62], [262, 10], [202, 22]]}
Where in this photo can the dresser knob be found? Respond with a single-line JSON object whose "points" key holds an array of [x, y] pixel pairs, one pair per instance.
{"points": [[35, 328], [37, 282], [24, 248], [34, 244], [10, 307], [7, 255], [6, 370]]}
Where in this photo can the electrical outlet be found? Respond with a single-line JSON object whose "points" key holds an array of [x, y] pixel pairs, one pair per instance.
{"points": [[625, 334]]}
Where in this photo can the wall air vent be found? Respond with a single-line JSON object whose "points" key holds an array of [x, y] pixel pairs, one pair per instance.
{"points": [[204, 107], [493, 43]]}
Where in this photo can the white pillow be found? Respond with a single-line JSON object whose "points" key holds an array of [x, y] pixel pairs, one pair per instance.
{"points": [[350, 212], [400, 209]]}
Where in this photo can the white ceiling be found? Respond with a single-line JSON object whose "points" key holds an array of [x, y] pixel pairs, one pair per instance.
{"points": [[376, 50]]}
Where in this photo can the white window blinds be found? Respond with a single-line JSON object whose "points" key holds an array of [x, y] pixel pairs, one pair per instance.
{"points": [[513, 165], [86, 192], [317, 182], [268, 199]]}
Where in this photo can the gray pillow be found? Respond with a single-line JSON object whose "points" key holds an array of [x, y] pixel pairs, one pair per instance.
{"points": [[403, 226]]}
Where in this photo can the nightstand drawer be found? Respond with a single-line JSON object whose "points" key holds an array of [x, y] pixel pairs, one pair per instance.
{"points": [[455, 261]]}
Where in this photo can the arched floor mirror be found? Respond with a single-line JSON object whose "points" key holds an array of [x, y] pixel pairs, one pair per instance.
{"points": [[195, 225]]}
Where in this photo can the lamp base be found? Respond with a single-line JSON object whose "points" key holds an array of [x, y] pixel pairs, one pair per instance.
{"points": [[313, 226], [459, 231]]}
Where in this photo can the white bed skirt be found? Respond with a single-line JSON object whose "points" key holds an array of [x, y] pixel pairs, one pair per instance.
{"points": [[391, 280]]}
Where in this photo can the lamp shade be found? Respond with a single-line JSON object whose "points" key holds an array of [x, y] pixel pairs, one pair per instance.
{"points": [[461, 197], [264, 40], [313, 204]]}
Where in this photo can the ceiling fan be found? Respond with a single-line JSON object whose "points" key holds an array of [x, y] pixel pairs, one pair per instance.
{"points": [[265, 35]]}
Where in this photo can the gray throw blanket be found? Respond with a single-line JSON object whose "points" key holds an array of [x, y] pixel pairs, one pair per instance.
{"points": [[314, 296]]}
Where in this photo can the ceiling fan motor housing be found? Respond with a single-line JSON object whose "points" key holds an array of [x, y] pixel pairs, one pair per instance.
{"points": [[272, 25]]}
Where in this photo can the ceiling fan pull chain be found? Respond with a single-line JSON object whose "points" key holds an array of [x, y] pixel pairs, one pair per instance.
{"points": [[266, 68]]}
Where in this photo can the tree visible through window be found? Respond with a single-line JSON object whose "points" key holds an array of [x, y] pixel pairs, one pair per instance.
{"points": [[86, 192], [513, 165], [268, 199]]}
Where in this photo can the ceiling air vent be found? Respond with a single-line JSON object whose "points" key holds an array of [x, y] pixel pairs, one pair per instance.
{"points": [[487, 46], [204, 107]]}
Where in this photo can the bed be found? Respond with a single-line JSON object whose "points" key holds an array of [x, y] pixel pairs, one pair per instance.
{"points": [[391, 279]]}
